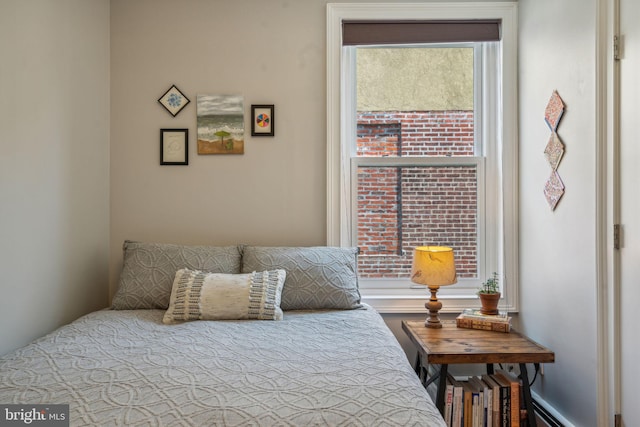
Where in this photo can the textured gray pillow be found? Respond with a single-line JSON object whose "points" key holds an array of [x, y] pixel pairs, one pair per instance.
{"points": [[149, 269], [317, 277]]}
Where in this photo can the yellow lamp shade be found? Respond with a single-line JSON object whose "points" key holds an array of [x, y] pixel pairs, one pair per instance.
{"points": [[433, 266]]}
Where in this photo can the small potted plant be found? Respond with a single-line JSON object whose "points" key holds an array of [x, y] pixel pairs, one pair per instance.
{"points": [[489, 294]]}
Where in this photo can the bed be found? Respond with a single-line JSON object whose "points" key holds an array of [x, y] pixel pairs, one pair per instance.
{"points": [[321, 359]]}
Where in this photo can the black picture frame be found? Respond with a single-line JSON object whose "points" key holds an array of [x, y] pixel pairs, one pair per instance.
{"points": [[173, 100], [262, 120], [174, 147]]}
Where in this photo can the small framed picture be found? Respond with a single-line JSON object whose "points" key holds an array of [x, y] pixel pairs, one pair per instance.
{"points": [[174, 146], [173, 100], [262, 122]]}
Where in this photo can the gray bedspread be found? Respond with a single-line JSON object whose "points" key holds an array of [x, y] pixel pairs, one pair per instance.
{"points": [[327, 368]]}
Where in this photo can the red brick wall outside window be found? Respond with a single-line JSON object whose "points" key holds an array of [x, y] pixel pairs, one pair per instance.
{"points": [[400, 208]]}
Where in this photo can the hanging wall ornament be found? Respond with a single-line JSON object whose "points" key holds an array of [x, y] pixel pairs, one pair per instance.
{"points": [[554, 188], [553, 112], [554, 151]]}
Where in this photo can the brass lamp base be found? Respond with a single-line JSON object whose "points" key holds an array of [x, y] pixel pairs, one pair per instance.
{"points": [[433, 305]]}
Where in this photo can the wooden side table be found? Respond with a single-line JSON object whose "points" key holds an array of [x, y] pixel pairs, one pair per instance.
{"points": [[453, 345]]}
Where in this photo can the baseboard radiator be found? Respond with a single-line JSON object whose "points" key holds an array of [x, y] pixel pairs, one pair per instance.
{"points": [[545, 416]]}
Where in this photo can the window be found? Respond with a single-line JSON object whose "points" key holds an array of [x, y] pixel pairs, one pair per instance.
{"points": [[434, 165], [418, 165]]}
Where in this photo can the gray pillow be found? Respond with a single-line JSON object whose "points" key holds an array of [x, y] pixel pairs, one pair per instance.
{"points": [[149, 269], [317, 277]]}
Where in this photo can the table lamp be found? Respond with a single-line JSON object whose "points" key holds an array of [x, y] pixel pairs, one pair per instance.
{"points": [[433, 266]]}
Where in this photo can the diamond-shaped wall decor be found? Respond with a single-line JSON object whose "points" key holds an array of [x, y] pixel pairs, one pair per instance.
{"points": [[553, 112], [554, 151], [553, 189], [174, 100]]}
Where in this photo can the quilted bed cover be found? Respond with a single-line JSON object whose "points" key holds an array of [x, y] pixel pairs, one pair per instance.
{"points": [[322, 368]]}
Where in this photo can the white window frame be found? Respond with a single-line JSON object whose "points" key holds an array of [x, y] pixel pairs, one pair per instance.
{"points": [[497, 253]]}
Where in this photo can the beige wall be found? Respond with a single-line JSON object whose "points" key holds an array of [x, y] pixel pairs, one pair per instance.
{"points": [[54, 164], [557, 248], [271, 53]]}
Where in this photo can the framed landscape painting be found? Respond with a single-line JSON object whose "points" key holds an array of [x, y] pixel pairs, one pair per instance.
{"points": [[220, 121]]}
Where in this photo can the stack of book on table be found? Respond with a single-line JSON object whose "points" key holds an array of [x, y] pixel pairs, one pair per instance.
{"points": [[472, 318]]}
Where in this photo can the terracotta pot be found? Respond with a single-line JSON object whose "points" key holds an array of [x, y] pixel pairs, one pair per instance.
{"points": [[489, 303]]}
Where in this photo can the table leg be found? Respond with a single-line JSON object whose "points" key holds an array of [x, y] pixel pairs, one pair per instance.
{"points": [[422, 371], [442, 386], [526, 394]]}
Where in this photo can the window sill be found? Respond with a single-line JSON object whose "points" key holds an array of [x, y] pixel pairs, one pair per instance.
{"points": [[398, 303]]}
